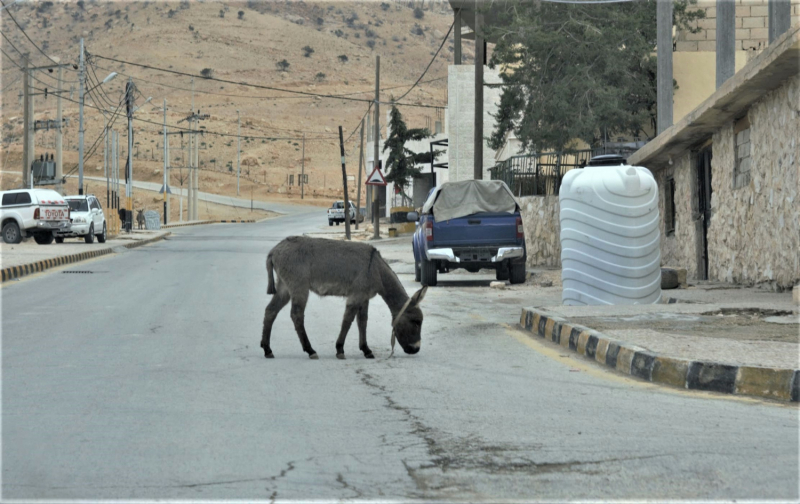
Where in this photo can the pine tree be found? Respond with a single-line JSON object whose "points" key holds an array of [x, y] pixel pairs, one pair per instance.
{"points": [[577, 71], [401, 163]]}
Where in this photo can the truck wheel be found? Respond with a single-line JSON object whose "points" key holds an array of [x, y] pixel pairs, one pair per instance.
{"points": [[416, 272], [502, 272], [89, 238], [43, 238], [330, 222], [59, 239], [428, 273], [337, 222], [102, 236], [11, 233], [517, 273]]}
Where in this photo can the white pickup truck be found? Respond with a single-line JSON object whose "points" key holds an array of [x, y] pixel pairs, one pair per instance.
{"points": [[32, 212], [336, 213]]}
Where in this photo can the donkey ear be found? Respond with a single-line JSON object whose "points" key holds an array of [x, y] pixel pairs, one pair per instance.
{"points": [[418, 296]]}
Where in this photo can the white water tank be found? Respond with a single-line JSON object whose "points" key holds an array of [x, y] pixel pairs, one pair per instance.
{"points": [[610, 238]]}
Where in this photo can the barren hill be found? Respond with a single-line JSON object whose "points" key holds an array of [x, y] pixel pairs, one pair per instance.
{"points": [[330, 49]]}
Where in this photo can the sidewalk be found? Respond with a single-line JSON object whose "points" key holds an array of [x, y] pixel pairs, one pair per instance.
{"points": [[29, 257], [714, 337]]}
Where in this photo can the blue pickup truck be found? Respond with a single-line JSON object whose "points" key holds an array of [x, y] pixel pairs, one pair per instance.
{"points": [[474, 225]]}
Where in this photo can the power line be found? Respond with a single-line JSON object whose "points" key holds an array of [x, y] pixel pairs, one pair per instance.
{"points": [[26, 35], [430, 63]]}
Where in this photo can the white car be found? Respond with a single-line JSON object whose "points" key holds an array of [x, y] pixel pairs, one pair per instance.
{"points": [[336, 213], [32, 212], [88, 219]]}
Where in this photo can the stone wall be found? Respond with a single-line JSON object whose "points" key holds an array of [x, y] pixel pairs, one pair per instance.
{"points": [[680, 248], [752, 25], [754, 235], [540, 220]]}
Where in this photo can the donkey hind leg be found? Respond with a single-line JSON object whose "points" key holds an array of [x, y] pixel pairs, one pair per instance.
{"points": [[276, 304], [298, 317], [362, 331], [349, 314]]}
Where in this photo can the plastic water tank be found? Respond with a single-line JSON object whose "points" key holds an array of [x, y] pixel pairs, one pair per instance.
{"points": [[610, 239]]}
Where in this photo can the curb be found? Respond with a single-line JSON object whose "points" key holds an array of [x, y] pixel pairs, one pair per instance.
{"points": [[771, 383], [39, 266], [199, 223]]}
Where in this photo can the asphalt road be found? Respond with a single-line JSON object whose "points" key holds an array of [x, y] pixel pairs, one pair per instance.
{"points": [[144, 379]]}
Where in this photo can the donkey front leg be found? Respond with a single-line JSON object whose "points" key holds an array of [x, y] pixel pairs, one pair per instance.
{"points": [[276, 304], [298, 317], [349, 314], [362, 331]]}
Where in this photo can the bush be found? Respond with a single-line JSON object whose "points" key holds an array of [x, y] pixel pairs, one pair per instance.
{"points": [[308, 51], [191, 27], [385, 6], [369, 33], [418, 13], [371, 43], [207, 73], [417, 30], [282, 65], [241, 14], [221, 13], [320, 21], [319, 77], [339, 33], [343, 58], [351, 20]]}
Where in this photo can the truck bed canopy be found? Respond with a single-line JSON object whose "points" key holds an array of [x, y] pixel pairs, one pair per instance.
{"points": [[452, 200]]}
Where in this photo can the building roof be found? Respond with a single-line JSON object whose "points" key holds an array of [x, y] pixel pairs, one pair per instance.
{"points": [[766, 72]]}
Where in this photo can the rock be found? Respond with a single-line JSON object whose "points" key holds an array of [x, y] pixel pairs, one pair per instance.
{"points": [[498, 285], [295, 19], [681, 275], [546, 283], [669, 278]]}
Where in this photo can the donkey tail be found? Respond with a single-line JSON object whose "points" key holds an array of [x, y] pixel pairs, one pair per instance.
{"points": [[271, 280]]}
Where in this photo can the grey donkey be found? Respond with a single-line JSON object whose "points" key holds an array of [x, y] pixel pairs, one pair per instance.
{"points": [[140, 220], [355, 271]]}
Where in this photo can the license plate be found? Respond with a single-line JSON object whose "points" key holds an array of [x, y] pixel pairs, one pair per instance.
{"points": [[54, 213]]}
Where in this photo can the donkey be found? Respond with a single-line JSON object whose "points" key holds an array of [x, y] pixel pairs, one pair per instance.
{"points": [[140, 220], [355, 271]]}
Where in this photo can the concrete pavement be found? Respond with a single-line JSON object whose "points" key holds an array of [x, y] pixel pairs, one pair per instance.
{"points": [[145, 380]]}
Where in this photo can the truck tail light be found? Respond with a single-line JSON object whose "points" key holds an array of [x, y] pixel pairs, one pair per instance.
{"points": [[429, 231], [36, 214], [520, 232]]}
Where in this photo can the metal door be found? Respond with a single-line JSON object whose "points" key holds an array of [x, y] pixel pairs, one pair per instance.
{"points": [[704, 207]]}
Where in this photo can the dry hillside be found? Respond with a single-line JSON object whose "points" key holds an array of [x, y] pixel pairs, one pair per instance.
{"points": [[239, 42]]}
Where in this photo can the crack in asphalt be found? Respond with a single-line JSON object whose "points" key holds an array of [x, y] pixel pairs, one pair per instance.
{"points": [[346, 486]]}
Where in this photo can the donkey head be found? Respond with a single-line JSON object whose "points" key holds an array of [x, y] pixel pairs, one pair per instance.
{"points": [[407, 325]]}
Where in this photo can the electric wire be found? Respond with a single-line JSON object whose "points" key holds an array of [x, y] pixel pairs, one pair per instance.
{"points": [[447, 35], [26, 35]]}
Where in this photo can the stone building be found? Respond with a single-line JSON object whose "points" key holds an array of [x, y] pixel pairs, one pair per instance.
{"points": [[729, 175]]}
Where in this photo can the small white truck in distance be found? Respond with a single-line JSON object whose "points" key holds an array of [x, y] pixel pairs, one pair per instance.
{"points": [[32, 212], [336, 213]]}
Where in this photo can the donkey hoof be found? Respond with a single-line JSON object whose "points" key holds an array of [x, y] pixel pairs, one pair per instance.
{"points": [[313, 356], [269, 355], [369, 355], [340, 356]]}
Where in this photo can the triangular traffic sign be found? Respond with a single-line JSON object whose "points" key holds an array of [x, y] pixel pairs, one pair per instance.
{"points": [[376, 178], [161, 191]]}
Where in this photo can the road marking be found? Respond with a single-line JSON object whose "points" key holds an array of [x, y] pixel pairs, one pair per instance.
{"points": [[54, 269], [593, 368]]}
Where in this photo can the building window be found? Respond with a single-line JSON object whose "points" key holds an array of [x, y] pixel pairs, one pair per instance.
{"points": [[291, 180], [742, 149], [669, 207]]}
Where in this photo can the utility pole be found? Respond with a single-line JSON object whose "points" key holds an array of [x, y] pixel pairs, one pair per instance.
{"points": [[477, 172], [358, 187], [81, 86], [190, 156], [114, 183], [303, 169], [344, 184], [59, 134], [238, 149], [106, 159], [27, 108], [664, 63], [129, 175], [166, 178], [726, 41], [376, 218]]}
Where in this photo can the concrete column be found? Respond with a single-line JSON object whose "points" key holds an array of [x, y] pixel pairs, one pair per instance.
{"points": [[477, 173], [726, 40], [780, 18], [664, 76], [457, 38]]}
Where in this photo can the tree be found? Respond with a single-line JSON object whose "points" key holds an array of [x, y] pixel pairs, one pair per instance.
{"points": [[221, 13], [308, 51], [418, 13], [282, 65], [343, 58], [577, 71], [241, 14], [401, 163]]}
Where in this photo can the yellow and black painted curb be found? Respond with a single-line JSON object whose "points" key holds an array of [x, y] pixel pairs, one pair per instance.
{"points": [[39, 266], [772, 383]]}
